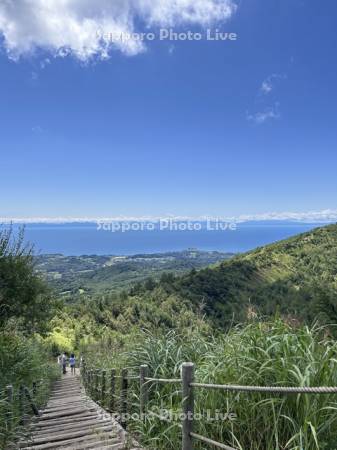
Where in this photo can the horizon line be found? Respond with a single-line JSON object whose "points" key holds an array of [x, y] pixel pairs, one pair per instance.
{"points": [[327, 216]]}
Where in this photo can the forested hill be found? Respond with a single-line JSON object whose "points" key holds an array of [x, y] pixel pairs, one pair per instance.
{"points": [[297, 277]]}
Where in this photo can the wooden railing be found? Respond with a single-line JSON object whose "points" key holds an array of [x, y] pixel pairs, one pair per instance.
{"points": [[96, 384], [17, 402]]}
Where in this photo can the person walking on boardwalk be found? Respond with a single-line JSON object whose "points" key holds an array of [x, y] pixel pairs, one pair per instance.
{"points": [[64, 363], [72, 362]]}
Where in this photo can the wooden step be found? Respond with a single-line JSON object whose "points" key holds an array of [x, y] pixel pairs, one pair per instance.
{"points": [[66, 420], [71, 427], [72, 421], [57, 437], [71, 412], [71, 442], [107, 443]]}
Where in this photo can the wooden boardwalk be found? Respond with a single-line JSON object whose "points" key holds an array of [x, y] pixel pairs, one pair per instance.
{"points": [[72, 421]]}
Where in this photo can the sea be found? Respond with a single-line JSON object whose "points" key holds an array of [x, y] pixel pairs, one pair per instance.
{"points": [[75, 239]]}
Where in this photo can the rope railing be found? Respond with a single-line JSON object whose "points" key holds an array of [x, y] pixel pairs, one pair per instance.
{"points": [[96, 383], [198, 437], [163, 380], [271, 390]]}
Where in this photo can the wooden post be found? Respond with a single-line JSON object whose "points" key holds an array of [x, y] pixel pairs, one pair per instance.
{"points": [[21, 406], [124, 397], [144, 390], [90, 380], [83, 369], [103, 387], [9, 390], [188, 405], [96, 384], [31, 402], [112, 389], [83, 375], [87, 386], [86, 374]]}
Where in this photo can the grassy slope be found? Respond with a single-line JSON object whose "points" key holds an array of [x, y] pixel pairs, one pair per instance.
{"points": [[298, 276]]}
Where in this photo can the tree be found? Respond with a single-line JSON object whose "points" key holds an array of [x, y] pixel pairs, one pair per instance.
{"points": [[24, 297]]}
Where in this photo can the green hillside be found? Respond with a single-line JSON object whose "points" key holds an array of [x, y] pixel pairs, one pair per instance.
{"points": [[297, 277]]}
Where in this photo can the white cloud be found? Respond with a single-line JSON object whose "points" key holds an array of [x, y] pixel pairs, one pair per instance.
{"points": [[44, 63], [269, 83], [323, 216], [64, 27], [269, 113], [267, 86]]}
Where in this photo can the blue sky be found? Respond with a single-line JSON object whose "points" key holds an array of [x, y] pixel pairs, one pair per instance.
{"points": [[183, 128]]}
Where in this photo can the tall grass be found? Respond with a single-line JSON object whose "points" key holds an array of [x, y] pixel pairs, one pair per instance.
{"points": [[266, 354]]}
